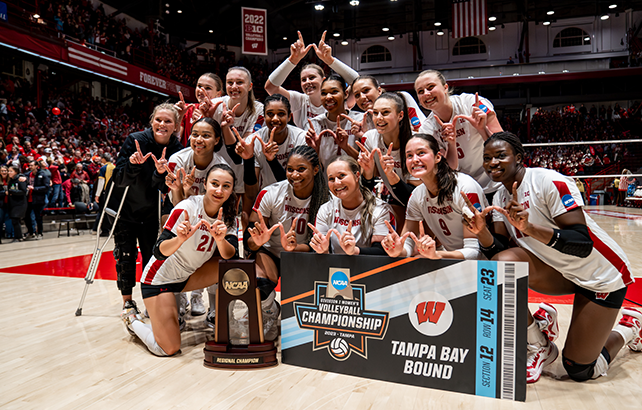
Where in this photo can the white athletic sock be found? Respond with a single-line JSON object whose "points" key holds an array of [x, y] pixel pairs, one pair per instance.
{"points": [[534, 336], [146, 335]]}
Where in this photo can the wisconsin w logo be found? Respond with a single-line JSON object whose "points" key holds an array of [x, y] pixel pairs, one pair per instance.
{"points": [[429, 311]]}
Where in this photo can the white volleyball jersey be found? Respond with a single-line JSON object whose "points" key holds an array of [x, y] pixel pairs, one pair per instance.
{"points": [[372, 139], [470, 144], [329, 150], [332, 215], [546, 194], [445, 220], [303, 109], [185, 159], [246, 122], [296, 137], [278, 203], [192, 254]]}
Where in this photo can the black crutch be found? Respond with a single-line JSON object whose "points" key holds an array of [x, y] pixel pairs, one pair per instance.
{"points": [[98, 251]]}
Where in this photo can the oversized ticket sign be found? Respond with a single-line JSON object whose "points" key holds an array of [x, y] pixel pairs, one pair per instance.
{"points": [[254, 31], [447, 324]]}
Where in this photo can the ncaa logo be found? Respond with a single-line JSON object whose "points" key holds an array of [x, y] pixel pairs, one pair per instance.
{"points": [[414, 121], [568, 200], [257, 127], [477, 206], [430, 313], [339, 280]]}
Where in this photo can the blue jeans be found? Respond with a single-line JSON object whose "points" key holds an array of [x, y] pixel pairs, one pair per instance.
{"points": [[4, 219], [56, 196]]}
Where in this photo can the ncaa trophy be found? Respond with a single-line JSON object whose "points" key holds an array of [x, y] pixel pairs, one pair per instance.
{"points": [[237, 281]]}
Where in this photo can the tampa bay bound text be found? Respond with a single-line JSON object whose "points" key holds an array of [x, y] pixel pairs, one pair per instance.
{"points": [[428, 365]]}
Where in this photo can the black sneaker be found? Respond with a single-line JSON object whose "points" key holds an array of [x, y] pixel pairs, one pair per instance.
{"points": [[210, 319]]}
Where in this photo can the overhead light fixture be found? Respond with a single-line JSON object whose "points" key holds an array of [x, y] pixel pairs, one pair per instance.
{"points": [[565, 71], [337, 34], [440, 32], [470, 76], [547, 23], [179, 11], [515, 73], [612, 6], [285, 38], [354, 3], [319, 7], [550, 13], [492, 27], [344, 43], [541, 72], [587, 38], [166, 4], [385, 29], [492, 18], [211, 31], [391, 38], [166, 11], [604, 17], [437, 23]]}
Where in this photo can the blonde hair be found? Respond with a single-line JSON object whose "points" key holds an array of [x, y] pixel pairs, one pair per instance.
{"points": [[165, 106], [250, 94], [439, 76]]}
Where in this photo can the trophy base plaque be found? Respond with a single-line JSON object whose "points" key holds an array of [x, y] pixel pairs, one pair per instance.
{"points": [[252, 356]]}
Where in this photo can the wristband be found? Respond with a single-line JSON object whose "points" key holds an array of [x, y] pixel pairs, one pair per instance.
{"points": [[282, 72]]}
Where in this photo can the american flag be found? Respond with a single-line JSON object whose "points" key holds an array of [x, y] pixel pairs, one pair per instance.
{"points": [[470, 18]]}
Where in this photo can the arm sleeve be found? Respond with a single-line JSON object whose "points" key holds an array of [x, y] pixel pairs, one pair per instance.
{"points": [[403, 191], [165, 235], [231, 151], [574, 240], [375, 249], [344, 70], [277, 169], [249, 173], [234, 241]]}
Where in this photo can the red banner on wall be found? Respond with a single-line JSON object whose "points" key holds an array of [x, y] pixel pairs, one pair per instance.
{"points": [[254, 31], [84, 58]]}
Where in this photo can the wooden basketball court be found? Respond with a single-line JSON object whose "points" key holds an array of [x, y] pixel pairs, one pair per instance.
{"points": [[52, 359]]}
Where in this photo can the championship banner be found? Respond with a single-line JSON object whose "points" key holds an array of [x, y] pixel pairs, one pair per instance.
{"points": [[254, 31], [451, 325]]}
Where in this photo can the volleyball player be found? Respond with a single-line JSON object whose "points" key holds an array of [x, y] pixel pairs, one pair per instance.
{"points": [[139, 220], [354, 215], [461, 124], [288, 206], [366, 90], [308, 104], [438, 203], [199, 228], [567, 253], [329, 133], [188, 169], [208, 85]]}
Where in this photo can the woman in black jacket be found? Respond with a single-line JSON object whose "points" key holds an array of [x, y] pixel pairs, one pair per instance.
{"points": [[17, 201], [141, 167]]}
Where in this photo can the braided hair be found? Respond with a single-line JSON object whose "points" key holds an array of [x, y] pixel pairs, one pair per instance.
{"points": [[368, 197], [512, 140], [405, 131], [320, 190], [229, 208], [446, 176]]}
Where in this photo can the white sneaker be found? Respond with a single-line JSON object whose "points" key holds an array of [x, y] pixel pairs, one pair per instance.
{"points": [[129, 316], [210, 319], [546, 318], [633, 319], [270, 321], [537, 358], [198, 307]]}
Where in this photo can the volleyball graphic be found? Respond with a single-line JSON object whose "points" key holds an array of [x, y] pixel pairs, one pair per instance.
{"points": [[339, 348]]}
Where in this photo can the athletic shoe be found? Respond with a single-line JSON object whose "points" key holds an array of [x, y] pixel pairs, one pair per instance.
{"points": [[198, 308], [270, 321], [633, 319], [181, 323], [546, 318], [210, 319], [131, 304], [537, 358], [129, 316], [183, 304]]}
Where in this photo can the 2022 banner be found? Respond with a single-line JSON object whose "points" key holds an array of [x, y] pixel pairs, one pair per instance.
{"points": [[450, 325], [254, 31]]}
